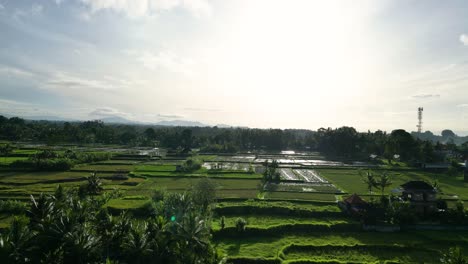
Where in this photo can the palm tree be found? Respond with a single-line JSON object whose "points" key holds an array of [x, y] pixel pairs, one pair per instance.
{"points": [[81, 246], [384, 182], [94, 184], [369, 179], [42, 210], [454, 256], [194, 232], [16, 245], [136, 245]]}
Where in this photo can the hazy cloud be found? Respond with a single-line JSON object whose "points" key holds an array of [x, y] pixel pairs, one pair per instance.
{"points": [[107, 112], [169, 116], [9, 70], [195, 109], [1, 6], [34, 10], [63, 80], [464, 39], [139, 8], [166, 60], [425, 96], [462, 105]]}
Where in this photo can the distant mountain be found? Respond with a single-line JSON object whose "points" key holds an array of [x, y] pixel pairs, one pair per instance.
{"points": [[122, 120], [117, 120], [183, 123], [48, 118], [223, 126]]}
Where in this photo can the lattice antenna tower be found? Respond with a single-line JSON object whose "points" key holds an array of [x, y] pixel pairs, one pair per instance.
{"points": [[420, 116]]}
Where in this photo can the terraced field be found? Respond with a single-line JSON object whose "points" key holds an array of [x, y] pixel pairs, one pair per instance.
{"points": [[294, 221]]}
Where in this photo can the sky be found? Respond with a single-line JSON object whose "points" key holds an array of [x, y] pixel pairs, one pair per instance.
{"points": [[267, 64]]}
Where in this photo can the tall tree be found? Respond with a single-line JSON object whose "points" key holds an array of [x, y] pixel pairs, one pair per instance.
{"points": [[384, 181]]}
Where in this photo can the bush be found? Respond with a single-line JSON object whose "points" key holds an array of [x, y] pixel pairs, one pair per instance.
{"points": [[12, 207], [158, 195], [191, 164], [240, 224], [59, 164]]}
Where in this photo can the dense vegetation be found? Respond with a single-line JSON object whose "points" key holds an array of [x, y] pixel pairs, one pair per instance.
{"points": [[74, 227], [342, 142], [201, 203]]}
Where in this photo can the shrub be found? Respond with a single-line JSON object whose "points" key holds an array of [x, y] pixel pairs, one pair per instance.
{"points": [[190, 165], [240, 224], [12, 207], [58, 164], [158, 194]]}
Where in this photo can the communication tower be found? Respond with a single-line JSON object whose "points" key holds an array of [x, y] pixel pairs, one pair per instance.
{"points": [[420, 116]]}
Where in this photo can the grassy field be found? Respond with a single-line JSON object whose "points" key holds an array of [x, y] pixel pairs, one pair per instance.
{"points": [[9, 160], [272, 246], [109, 167], [271, 216], [225, 187], [350, 181], [266, 221]]}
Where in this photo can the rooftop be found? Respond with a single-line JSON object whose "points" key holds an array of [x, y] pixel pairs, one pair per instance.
{"points": [[417, 185]]}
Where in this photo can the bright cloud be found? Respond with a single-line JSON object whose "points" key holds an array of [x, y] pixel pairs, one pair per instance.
{"points": [[139, 8], [63, 80], [167, 60], [13, 71], [108, 112], [464, 39]]}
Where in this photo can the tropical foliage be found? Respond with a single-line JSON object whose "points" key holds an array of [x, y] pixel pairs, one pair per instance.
{"points": [[67, 228]]}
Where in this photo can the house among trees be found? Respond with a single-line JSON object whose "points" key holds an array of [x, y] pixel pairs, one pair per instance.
{"points": [[421, 195], [355, 205], [465, 171]]}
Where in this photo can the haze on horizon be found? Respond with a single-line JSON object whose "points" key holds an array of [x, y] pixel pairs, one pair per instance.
{"points": [[283, 64]]}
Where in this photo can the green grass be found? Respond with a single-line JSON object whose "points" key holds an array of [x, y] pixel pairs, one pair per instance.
{"points": [[273, 220], [126, 203], [33, 177], [97, 167], [310, 206], [351, 182], [117, 162], [25, 151], [270, 246], [361, 253], [225, 187], [248, 193], [155, 168], [9, 160]]}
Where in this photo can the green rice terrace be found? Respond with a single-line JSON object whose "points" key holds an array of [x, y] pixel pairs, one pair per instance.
{"points": [[276, 207]]}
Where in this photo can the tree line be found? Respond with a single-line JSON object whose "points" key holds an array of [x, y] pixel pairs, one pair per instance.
{"points": [[344, 142]]}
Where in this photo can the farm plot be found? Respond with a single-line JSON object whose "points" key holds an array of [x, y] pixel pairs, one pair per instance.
{"points": [[309, 176], [229, 166], [288, 174], [237, 158], [301, 187]]}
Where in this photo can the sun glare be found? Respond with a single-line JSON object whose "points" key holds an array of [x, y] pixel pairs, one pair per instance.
{"points": [[309, 49]]}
